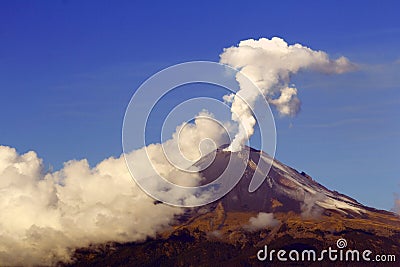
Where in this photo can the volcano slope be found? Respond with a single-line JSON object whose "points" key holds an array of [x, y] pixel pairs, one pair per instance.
{"points": [[289, 211]]}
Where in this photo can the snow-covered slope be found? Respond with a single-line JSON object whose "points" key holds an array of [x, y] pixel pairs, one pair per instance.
{"points": [[284, 189]]}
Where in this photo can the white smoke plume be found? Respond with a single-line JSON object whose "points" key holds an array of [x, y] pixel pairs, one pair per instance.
{"points": [[396, 207], [262, 221], [269, 64], [45, 216], [309, 207]]}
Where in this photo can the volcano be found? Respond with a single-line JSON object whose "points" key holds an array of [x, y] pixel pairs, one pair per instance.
{"points": [[288, 211]]}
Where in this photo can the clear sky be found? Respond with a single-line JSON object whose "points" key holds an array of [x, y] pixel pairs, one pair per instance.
{"points": [[68, 70]]}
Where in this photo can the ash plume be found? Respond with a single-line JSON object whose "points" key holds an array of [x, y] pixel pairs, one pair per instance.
{"points": [[270, 64]]}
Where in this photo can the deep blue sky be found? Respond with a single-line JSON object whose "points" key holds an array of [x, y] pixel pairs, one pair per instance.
{"points": [[68, 70]]}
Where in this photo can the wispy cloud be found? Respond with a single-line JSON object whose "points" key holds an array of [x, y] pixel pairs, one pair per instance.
{"points": [[375, 107], [396, 207], [375, 77], [263, 220], [339, 123]]}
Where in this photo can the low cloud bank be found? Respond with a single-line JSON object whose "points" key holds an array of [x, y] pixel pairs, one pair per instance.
{"points": [[45, 216]]}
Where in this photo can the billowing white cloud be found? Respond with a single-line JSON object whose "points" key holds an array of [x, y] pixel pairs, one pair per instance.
{"points": [[262, 221], [45, 216], [269, 64]]}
